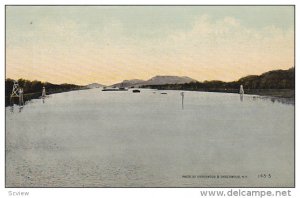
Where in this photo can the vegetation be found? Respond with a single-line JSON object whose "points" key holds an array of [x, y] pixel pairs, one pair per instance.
{"points": [[280, 83], [33, 89]]}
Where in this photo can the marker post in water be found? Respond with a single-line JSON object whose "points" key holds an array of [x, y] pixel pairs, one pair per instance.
{"points": [[44, 94], [241, 93], [182, 97]]}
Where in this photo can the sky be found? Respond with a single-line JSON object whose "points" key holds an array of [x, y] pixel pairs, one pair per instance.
{"points": [[108, 44]]}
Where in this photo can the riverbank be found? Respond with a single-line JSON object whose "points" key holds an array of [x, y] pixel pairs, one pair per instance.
{"points": [[279, 93], [282, 95], [33, 89], [29, 96], [278, 84]]}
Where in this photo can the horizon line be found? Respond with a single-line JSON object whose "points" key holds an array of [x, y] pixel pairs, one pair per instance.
{"points": [[6, 78]]}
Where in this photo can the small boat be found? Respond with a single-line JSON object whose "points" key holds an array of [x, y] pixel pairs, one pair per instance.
{"points": [[136, 91], [114, 89], [163, 93], [123, 89]]}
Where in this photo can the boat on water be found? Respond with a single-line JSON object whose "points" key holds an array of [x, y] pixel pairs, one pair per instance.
{"points": [[114, 89], [136, 91], [121, 88]]}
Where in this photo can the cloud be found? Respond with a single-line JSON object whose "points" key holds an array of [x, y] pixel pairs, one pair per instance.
{"points": [[223, 49], [230, 50]]}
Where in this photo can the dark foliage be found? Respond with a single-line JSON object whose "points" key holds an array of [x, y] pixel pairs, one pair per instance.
{"points": [[33, 89], [277, 79]]}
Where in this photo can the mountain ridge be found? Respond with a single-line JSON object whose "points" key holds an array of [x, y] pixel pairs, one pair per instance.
{"points": [[156, 80], [94, 85]]}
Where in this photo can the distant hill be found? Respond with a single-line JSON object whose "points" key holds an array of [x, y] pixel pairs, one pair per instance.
{"points": [[94, 85], [161, 80], [156, 80]]}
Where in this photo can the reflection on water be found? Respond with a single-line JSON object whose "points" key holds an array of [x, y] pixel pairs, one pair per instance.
{"points": [[12, 108], [20, 107], [241, 97], [288, 101], [120, 139]]}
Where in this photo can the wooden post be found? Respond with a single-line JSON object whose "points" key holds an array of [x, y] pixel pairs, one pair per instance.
{"points": [[44, 92], [182, 96], [241, 93]]}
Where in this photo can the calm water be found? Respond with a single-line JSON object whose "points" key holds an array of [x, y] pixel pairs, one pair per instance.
{"points": [[121, 139]]}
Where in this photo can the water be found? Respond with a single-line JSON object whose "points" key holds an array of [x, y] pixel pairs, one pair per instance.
{"points": [[91, 138]]}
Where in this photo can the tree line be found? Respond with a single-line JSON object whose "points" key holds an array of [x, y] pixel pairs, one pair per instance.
{"points": [[276, 79], [33, 89]]}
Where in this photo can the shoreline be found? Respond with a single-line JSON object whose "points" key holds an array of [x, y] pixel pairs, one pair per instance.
{"points": [[281, 95], [36, 95]]}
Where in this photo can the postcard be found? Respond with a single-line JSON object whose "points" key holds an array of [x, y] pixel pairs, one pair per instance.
{"points": [[149, 96]]}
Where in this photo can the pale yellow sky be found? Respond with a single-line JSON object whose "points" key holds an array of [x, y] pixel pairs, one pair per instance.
{"points": [[83, 45]]}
